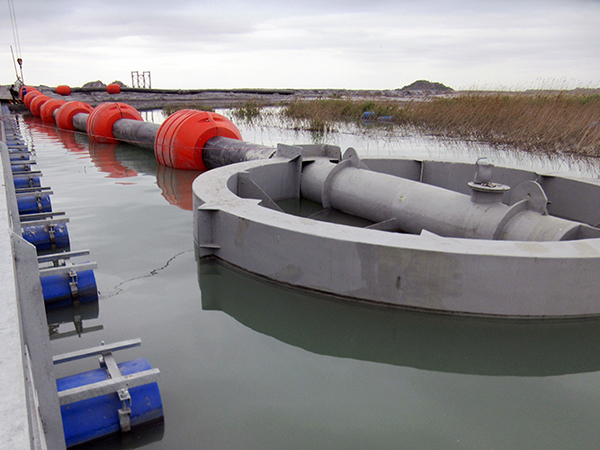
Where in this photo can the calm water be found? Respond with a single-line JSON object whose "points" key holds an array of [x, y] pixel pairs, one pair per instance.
{"points": [[249, 365]]}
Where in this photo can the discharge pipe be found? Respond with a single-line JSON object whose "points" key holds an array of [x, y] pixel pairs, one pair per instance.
{"points": [[187, 139], [399, 204]]}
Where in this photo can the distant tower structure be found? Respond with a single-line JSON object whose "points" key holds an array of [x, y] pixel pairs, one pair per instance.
{"points": [[141, 80]]}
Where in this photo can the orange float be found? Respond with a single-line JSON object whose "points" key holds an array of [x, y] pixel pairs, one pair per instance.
{"points": [[65, 113], [101, 120], [63, 89], [36, 104], [48, 108], [29, 96], [181, 137], [113, 89], [24, 90]]}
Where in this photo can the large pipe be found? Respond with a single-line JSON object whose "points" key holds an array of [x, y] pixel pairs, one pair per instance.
{"points": [[218, 151], [411, 207], [80, 121], [136, 132], [222, 151]]}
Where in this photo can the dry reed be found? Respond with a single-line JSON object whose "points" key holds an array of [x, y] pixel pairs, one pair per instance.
{"points": [[170, 108], [550, 123]]}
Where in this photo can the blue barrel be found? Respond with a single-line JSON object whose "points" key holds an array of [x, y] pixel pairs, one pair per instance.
{"points": [[57, 288], [13, 141], [28, 204], [27, 182], [97, 418], [19, 156], [41, 237], [20, 168], [369, 115]]}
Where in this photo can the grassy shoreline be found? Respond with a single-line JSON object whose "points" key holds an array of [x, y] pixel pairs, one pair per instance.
{"points": [[551, 122], [565, 123]]}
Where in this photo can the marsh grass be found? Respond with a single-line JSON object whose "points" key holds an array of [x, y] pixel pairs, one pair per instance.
{"points": [[249, 111], [542, 122], [170, 108], [323, 115]]}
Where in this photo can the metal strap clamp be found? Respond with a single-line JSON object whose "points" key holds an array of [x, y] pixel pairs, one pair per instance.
{"points": [[107, 361], [74, 285], [52, 235]]}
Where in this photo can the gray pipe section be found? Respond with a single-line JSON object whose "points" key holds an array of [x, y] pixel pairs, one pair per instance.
{"points": [[412, 207], [79, 121], [136, 132], [217, 152], [222, 151]]}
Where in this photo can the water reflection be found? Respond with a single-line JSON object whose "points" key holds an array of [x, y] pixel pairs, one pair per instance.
{"points": [[137, 438], [341, 328], [125, 161], [75, 314], [176, 185]]}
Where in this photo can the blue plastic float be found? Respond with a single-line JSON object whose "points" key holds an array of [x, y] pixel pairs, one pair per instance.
{"points": [[97, 418], [30, 181], [34, 204], [58, 290], [47, 237]]}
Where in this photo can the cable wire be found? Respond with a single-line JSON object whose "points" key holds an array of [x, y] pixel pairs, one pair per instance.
{"points": [[15, 29], [13, 22]]}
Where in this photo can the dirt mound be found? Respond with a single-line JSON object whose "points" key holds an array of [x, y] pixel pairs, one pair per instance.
{"points": [[94, 84], [427, 86]]}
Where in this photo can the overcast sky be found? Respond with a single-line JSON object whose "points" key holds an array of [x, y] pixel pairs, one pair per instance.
{"points": [[370, 44]]}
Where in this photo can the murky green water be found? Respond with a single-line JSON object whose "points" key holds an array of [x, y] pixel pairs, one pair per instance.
{"points": [[249, 365]]}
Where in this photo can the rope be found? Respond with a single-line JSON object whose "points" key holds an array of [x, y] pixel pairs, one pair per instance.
{"points": [[15, 29], [13, 21]]}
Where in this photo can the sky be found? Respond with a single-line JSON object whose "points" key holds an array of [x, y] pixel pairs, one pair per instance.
{"points": [[351, 44]]}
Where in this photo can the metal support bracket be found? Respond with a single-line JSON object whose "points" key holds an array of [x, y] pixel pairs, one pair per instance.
{"points": [[74, 285], [107, 361], [67, 269], [62, 256], [28, 218], [350, 159], [247, 188]]}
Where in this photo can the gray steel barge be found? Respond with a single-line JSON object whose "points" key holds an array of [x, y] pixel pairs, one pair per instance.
{"points": [[523, 245]]}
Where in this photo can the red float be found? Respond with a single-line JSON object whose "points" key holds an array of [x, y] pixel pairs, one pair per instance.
{"points": [[101, 120], [36, 104], [24, 90], [113, 89], [29, 96], [48, 108], [181, 137], [63, 89], [64, 114]]}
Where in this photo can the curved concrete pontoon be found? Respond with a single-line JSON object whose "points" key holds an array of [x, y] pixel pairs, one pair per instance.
{"points": [[538, 273]]}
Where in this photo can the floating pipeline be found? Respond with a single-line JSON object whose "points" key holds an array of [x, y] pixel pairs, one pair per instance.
{"points": [[202, 140], [48, 108], [120, 161], [187, 139]]}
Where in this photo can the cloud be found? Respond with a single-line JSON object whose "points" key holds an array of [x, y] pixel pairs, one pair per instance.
{"points": [[352, 44]]}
